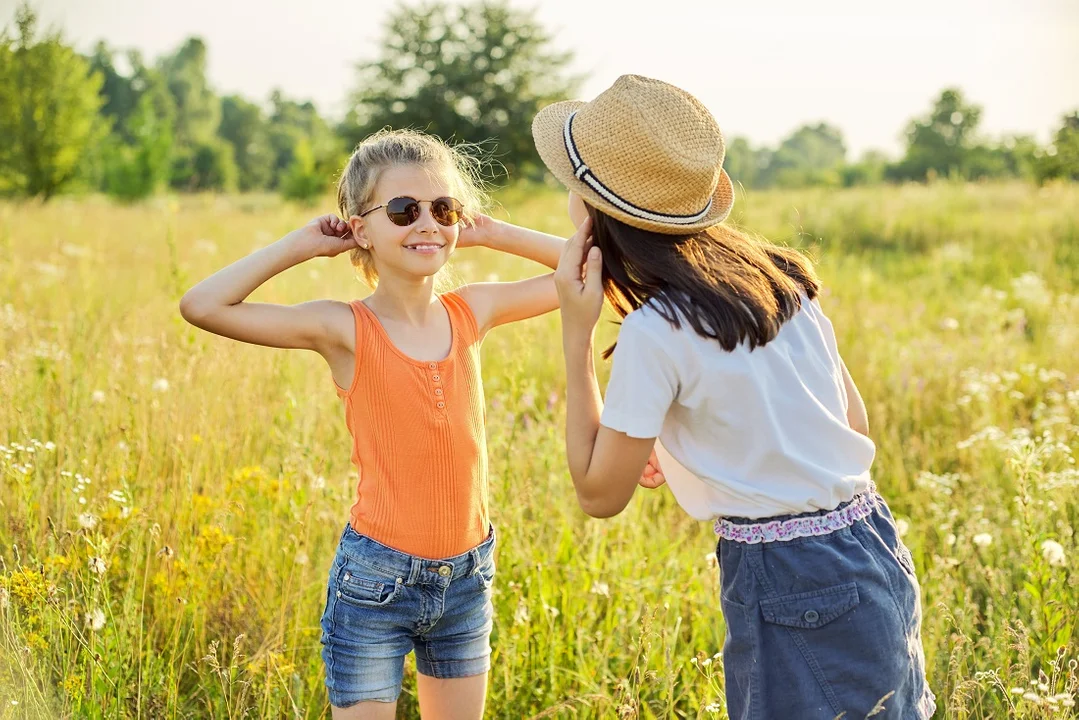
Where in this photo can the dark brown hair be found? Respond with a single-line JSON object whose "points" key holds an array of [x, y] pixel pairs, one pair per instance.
{"points": [[727, 285]]}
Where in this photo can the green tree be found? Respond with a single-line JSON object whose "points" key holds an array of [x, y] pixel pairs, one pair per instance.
{"points": [[1061, 158], [138, 168], [476, 73], [869, 170], [206, 166], [198, 109], [940, 144], [746, 164], [811, 155], [245, 128], [134, 161], [303, 181], [118, 93], [293, 122], [49, 106]]}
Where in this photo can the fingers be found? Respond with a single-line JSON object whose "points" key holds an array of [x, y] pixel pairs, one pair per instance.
{"points": [[331, 225], [569, 265], [593, 278]]}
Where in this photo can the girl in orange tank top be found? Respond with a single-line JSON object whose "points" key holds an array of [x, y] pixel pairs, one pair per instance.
{"points": [[415, 563]]}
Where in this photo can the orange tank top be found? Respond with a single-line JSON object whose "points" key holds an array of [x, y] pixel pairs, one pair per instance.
{"points": [[418, 439]]}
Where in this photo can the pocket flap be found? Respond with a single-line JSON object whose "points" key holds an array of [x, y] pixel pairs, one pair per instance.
{"points": [[810, 610]]}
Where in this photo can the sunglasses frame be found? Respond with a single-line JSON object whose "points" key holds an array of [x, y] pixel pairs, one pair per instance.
{"points": [[454, 206]]}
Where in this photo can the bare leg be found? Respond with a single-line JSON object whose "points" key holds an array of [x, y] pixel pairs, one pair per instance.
{"points": [[456, 699], [367, 710]]}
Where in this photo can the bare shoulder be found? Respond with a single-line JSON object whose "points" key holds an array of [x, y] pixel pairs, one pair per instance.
{"points": [[336, 321]]}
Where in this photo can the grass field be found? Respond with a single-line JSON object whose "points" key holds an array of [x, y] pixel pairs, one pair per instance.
{"points": [[170, 501]]}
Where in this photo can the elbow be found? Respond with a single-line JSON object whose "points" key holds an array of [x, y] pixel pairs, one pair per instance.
{"points": [[191, 310], [599, 507]]}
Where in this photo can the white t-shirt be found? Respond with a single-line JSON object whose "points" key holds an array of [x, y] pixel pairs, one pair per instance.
{"points": [[760, 433]]}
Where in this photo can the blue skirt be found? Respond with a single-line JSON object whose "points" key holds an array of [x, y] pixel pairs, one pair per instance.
{"points": [[822, 625]]}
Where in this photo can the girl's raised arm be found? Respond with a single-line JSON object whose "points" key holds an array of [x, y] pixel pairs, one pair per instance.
{"points": [[217, 303], [498, 303]]}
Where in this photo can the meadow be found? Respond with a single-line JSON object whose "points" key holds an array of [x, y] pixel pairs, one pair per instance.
{"points": [[170, 501]]}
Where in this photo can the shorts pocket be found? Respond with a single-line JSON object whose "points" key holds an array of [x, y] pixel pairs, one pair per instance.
{"points": [[357, 585], [485, 572], [811, 610]]}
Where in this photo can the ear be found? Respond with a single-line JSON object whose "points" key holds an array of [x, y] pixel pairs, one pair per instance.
{"points": [[359, 231]]}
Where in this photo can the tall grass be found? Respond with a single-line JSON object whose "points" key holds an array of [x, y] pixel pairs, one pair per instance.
{"points": [[170, 501]]}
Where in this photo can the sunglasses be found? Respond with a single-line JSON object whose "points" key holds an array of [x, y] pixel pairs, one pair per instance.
{"points": [[404, 211]]}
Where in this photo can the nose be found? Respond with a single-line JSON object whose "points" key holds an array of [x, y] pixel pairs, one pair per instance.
{"points": [[426, 222]]}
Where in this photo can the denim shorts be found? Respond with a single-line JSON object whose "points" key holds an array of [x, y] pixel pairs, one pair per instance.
{"points": [[824, 625], [381, 604]]}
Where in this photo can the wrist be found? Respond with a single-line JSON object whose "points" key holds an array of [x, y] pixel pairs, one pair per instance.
{"points": [[299, 246], [495, 236], [577, 339]]}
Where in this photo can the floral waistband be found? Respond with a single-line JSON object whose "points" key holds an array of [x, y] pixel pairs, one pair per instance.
{"points": [[799, 526]]}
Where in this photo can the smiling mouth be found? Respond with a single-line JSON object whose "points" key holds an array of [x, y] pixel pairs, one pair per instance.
{"points": [[424, 247]]}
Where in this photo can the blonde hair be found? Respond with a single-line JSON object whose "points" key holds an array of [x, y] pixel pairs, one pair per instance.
{"points": [[460, 165]]}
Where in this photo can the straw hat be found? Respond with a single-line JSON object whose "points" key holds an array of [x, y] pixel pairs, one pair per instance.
{"points": [[644, 152]]}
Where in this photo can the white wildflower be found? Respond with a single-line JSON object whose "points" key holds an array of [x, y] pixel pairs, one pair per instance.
{"points": [[98, 396], [982, 539], [318, 483], [600, 588], [160, 385], [87, 521], [949, 324], [520, 616], [1053, 552], [96, 619], [902, 526], [98, 565]]}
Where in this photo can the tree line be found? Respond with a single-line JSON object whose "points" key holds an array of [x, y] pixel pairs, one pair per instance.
{"points": [[114, 122]]}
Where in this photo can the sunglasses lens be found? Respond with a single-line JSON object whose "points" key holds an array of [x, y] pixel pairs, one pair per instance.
{"points": [[403, 211], [446, 211]]}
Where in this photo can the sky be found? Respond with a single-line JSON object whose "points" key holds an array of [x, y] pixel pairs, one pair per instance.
{"points": [[763, 67]]}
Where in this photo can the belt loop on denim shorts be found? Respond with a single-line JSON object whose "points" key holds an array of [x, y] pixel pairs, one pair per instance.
{"points": [[415, 571], [474, 556]]}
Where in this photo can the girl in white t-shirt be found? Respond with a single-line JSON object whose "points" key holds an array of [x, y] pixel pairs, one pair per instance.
{"points": [[727, 358]]}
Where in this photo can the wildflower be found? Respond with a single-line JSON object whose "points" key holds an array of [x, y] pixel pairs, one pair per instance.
{"points": [[600, 588], [902, 526], [87, 521], [98, 565], [1053, 552], [98, 396], [949, 324], [712, 708], [95, 619], [520, 616], [50, 445], [5, 598], [706, 662], [318, 483], [982, 539], [160, 385]]}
